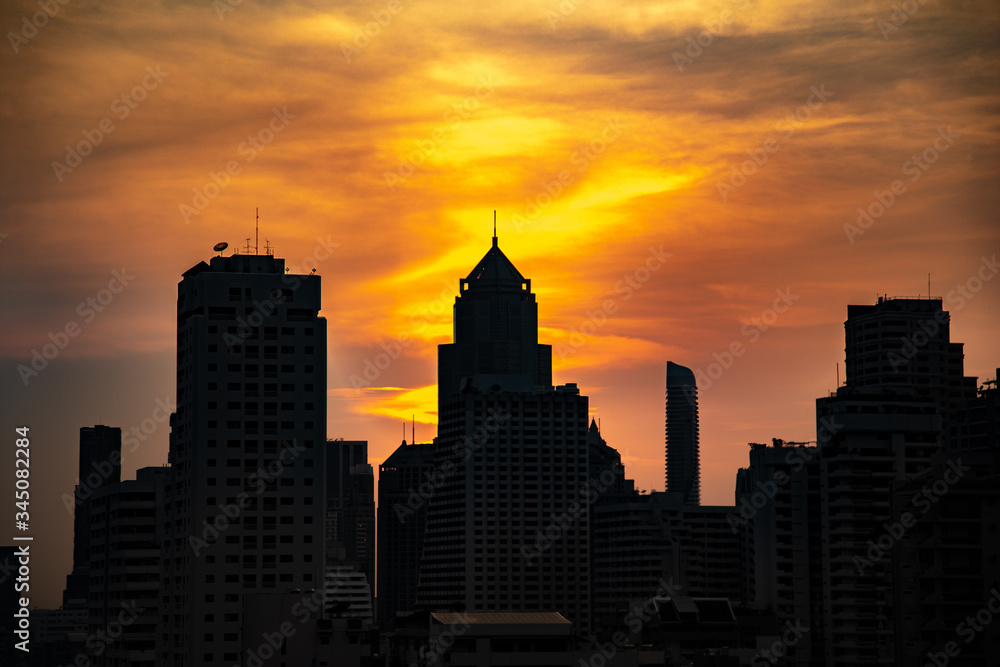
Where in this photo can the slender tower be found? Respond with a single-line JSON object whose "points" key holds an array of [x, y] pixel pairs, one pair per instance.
{"points": [[683, 469]]}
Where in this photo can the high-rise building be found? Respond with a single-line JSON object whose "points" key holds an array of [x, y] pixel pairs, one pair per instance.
{"points": [[777, 515], [350, 506], [877, 442], [404, 487], [683, 471], [495, 329], [126, 535], [100, 465], [887, 425], [350, 515], [507, 529], [903, 345], [244, 499], [946, 564]]}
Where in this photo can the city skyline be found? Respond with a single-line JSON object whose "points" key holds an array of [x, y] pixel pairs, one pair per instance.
{"points": [[649, 145], [510, 449], [131, 438]]}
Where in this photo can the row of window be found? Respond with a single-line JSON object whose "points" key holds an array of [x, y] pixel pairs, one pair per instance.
{"points": [[251, 426], [279, 294], [254, 406], [250, 446], [256, 483], [252, 370], [250, 580]]}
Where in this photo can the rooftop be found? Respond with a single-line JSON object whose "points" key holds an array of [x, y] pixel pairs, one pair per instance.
{"points": [[494, 269]]}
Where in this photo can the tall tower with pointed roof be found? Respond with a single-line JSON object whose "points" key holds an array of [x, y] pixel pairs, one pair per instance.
{"points": [[495, 329], [507, 523]]}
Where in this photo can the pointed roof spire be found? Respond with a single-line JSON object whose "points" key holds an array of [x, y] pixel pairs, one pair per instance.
{"points": [[494, 228], [496, 270]]}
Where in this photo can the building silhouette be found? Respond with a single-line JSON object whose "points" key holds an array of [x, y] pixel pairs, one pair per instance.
{"points": [[841, 540], [777, 517], [831, 548], [683, 466], [888, 421], [903, 345], [126, 536], [508, 522], [642, 541], [350, 524], [946, 566], [100, 465], [244, 499], [404, 488], [495, 329]]}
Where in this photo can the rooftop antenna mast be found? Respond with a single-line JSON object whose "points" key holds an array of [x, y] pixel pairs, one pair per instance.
{"points": [[256, 232], [413, 428], [494, 228]]}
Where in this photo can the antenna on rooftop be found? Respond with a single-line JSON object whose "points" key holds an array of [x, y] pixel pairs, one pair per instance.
{"points": [[494, 228], [256, 232], [413, 428]]}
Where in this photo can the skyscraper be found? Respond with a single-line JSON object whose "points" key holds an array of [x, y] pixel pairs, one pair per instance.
{"points": [[244, 500], [495, 329], [100, 465], [508, 518], [887, 425], [903, 344], [126, 531], [350, 518], [777, 514], [403, 487], [683, 471]]}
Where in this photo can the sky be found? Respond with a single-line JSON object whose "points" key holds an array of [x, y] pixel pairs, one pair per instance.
{"points": [[710, 183]]}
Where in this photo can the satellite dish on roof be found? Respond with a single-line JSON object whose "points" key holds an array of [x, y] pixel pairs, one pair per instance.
{"points": [[219, 247]]}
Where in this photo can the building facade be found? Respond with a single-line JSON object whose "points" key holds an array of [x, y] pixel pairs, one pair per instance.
{"points": [[100, 465], [683, 465], [404, 488], [126, 534], [350, 513], [507, 526], [245, 499]]}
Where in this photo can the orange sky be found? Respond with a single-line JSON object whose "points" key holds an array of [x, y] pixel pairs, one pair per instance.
{"points": [[377, 139]]}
